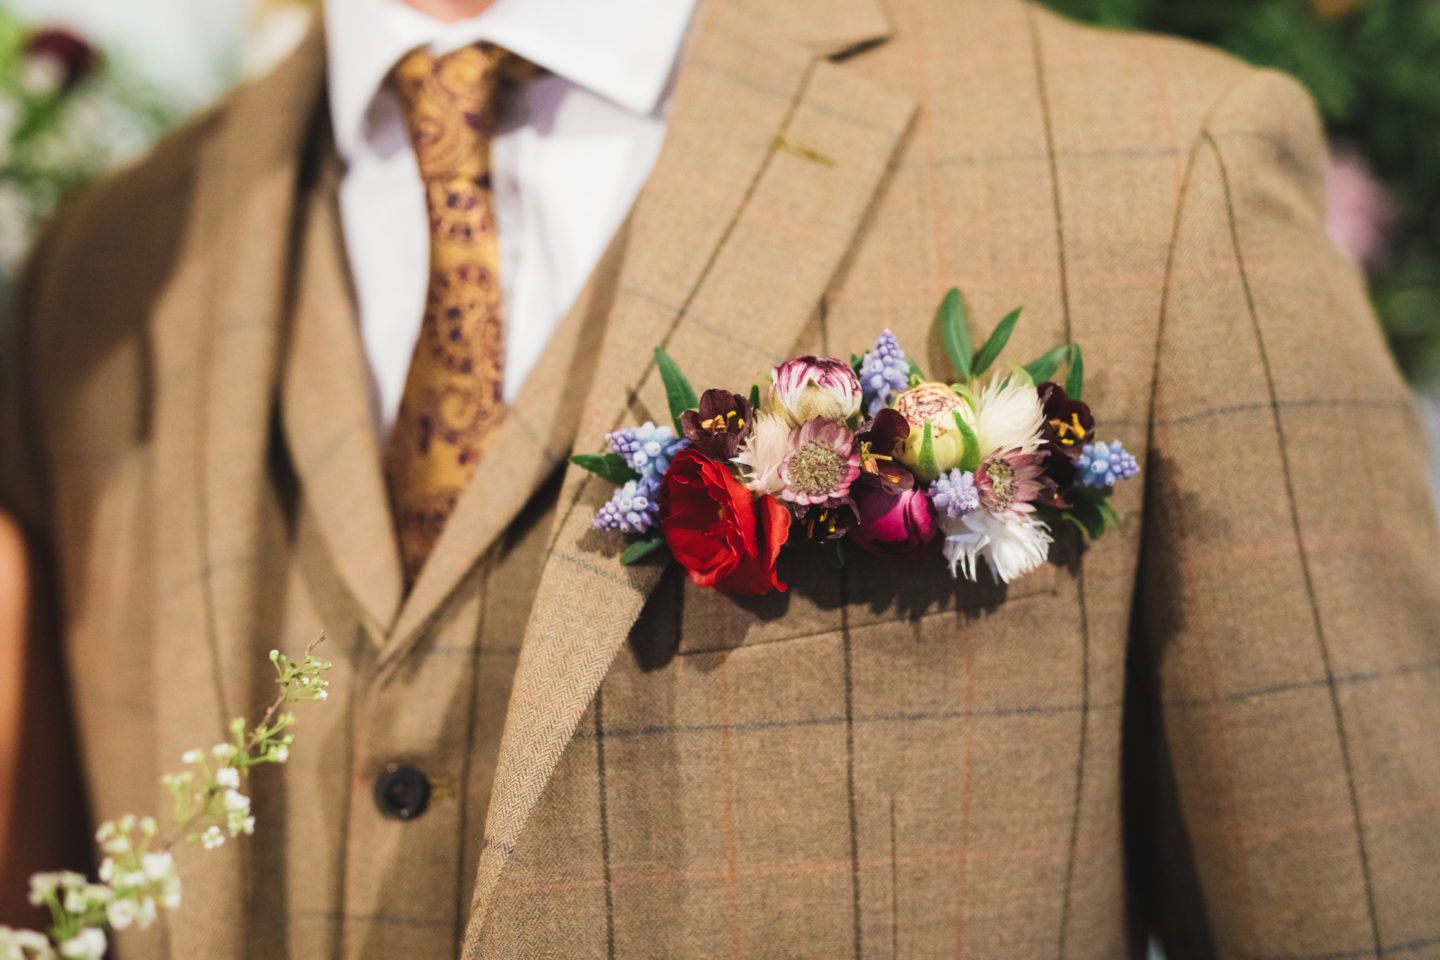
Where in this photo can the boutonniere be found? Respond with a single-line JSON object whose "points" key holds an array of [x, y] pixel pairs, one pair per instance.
{"points": [[869, 454]]}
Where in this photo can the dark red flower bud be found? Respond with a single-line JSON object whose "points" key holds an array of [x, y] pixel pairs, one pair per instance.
{"points": [[78, 58]]}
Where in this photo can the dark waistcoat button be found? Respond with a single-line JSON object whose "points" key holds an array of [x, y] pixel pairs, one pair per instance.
{"points": [[401, 792]]}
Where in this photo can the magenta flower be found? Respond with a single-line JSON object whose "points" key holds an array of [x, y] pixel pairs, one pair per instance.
{"points": [[808, 388], [892, 524], [822, 462]]}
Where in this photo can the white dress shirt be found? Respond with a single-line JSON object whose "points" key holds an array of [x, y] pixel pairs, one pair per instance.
{"points": [[573, 148]]}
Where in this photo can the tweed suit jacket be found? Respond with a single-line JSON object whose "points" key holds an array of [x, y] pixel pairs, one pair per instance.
{"points": [[1217, 724]]}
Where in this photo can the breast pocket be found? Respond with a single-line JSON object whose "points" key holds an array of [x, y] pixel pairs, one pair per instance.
{"points": [[685, 620]]}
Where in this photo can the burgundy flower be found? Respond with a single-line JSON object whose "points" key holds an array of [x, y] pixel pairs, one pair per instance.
{"points": [[881, 442], [724, 536], [723, 422], [1068, 426], [893, 524], [1068, 423], [77, 58]]}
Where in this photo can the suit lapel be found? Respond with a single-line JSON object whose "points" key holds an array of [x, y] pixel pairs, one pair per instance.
{"points": [[734, 240]]}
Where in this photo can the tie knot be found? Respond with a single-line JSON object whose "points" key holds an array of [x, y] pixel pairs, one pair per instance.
{"points": [[452, 104]]}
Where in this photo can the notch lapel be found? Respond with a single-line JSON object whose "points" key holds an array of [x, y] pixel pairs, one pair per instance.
{"points": [[734, 241]]}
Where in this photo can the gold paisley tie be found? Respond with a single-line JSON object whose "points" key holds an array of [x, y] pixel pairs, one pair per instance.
{"points": [[453, 392]]}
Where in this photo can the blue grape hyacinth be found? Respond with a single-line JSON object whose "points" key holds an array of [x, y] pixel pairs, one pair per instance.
{"points": [[1104, 465], [885, 371], [955, 494], [647, 448], [634, 508]]}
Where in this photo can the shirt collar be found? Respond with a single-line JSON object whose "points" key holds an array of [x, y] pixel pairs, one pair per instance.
{"points": [[623, 50]]}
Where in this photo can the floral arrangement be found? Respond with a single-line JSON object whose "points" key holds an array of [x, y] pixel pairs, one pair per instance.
{"points": [[137, 874], [868, 454], [67, 115]]}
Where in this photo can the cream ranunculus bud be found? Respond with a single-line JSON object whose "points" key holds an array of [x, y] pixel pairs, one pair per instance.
{"points": [[935, 404], [809, 387]]}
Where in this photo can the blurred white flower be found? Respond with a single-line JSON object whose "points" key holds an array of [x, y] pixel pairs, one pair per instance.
{"points": [[88, 944]]}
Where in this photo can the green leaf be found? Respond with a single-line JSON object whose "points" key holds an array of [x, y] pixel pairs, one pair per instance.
{"points": [[1087, 515], [925, 466], [755, 395], [1044, 368], [970, 459], [1020, 375], [607, 466], [1107, 513], [856, 361], [1076, 379], [955, 332], [642, 548], [996, 342], [678, 392]]}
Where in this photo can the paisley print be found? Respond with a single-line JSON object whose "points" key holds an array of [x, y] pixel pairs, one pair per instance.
{"points": [[453, 396]]}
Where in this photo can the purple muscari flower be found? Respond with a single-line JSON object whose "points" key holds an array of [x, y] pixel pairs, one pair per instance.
{"points": [[884, 371], [954, 494], [634, 508], [647, 448], [1103, 465]]}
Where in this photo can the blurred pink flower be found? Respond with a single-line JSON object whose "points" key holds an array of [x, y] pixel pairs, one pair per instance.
{"points": [[1360, 209]]}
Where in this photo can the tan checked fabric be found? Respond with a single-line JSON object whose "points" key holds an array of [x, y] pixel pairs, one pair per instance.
{"points": [[453, 392], [1218, 724]]}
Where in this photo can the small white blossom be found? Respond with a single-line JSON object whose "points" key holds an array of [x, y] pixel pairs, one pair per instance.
{"points": [[147, 826], [147, 911], [121, 914], [248, 827], [322, 695], [107, 870], [190, 756], [88, 944], [157, 865], [282, 754], [171, 899], [223, 749], [212, 838], [227, 777], [41, 886]]}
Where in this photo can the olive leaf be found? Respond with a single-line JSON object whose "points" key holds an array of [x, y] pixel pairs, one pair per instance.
{"points": [[678, 392], [995, 343], [955, 333], [607, 466]]}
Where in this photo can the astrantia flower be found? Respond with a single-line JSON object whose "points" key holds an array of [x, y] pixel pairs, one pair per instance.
{"points": [[884, 372], [1009, 481], [955, 494], [646, 448], [1104, 465], [1008, 415], [822, 462], [761, 453], [633, 508], [809, 388], [1012, 548]]}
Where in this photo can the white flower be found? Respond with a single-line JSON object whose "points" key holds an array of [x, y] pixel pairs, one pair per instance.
{"points": [[147, 826], [223, 750], [107, 870], [760, 456], [212, 838], [282, 754], [41, 886], [147, 912], [24, 945], [121, 914], [158, 865], [248, 827], [190, 756], [88, 944], [1011, 548], [235, 800], [1008, 416], [171, 899], [227, 777], [323, 695]]}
